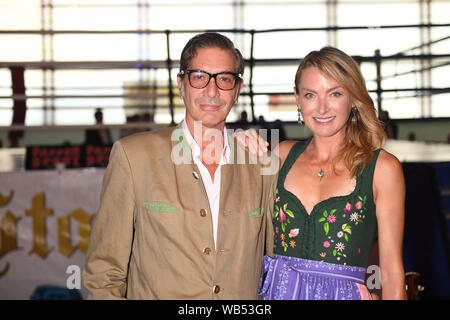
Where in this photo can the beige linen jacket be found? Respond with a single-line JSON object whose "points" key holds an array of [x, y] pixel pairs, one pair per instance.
{"points": [[152, 236]]}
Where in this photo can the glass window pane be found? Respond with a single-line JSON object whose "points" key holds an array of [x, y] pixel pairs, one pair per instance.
{"points": [[190, 17], [440, 11], [284, 15], [389, 41], [287, 44], [377, 13], [441, 106], [20, 14], [95, 47], [20, 47], [401, 106], [95, 18], [443, 46], [6, 103]]}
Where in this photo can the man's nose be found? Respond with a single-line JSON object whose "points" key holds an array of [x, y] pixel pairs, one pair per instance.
{"points": [[211, 89]]}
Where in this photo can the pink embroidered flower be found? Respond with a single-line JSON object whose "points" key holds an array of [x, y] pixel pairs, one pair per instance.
{"points": [[277, 199], [359, 250], [359, 205], [340, 234], [282, 216], [326, 244], [276, 229], [283, 243], [331, 218], [293, 233], [348, 207], [323, 254]]}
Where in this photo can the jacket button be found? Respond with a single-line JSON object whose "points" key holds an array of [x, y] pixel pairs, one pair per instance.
{"points": [[203, 212], [216, 289], [206, 251]]}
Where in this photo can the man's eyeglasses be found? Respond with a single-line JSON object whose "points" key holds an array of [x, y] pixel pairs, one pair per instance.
{"points": [[200, 79]]}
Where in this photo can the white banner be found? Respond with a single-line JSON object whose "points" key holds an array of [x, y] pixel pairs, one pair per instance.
{"points": [[45, 223]]}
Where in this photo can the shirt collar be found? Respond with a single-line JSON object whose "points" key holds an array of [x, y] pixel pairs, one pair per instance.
{"points": [[195, 148]]}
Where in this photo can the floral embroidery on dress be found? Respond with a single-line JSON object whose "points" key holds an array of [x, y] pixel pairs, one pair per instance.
{"points": [[283, 215], [353, 214]]}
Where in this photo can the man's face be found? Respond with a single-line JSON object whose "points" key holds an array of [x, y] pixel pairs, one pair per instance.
{"points": [[209, 105]]}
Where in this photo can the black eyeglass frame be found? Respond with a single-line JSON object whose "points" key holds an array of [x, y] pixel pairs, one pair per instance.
{"points": [[237, 77]]}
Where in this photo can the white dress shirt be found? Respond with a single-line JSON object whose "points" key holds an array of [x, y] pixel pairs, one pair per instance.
{"points": [[212, 187]]}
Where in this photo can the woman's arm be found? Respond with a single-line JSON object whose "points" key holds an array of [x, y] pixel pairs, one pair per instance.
{"points": [[389, 197]]}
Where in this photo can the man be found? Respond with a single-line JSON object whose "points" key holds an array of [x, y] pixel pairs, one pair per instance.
{"points": [[181, 215]]}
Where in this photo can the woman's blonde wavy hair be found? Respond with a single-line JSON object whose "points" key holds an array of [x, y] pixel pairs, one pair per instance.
{"points": [[366, 134]]}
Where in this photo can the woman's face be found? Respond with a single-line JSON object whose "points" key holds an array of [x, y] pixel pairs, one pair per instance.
{"points": [[325, 105]]}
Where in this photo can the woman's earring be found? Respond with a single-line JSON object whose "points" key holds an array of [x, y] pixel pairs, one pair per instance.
{"points": [[354, 115], [300, 118]]}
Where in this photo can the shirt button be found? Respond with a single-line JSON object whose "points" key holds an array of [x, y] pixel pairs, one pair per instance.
{"points": [[206, 251], [203, 212], [216, 289], [195, 174]]}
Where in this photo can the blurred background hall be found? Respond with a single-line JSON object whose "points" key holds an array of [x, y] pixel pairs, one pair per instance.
{"points": [[77, 75]]}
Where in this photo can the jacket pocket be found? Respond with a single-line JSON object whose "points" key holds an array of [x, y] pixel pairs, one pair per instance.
{"points": [[257, 213], [159, 206]]}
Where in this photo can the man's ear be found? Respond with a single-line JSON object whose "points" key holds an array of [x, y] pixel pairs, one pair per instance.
{"points": [[182, 90], [241, 85], [180, 82]]}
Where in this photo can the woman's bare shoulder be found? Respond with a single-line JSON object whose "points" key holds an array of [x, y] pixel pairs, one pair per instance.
{"points": [[387, 162], [388, 173], [284, 148]]}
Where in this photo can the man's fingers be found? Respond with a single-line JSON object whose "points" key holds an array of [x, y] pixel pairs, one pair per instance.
{"points": [[252, 140]]}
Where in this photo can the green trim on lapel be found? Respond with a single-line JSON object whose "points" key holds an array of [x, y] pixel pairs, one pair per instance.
{"points": [[160, 206], [256, 213]]}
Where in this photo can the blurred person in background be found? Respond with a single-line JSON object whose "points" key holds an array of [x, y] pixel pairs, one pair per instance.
{"points": [[100, 136]]}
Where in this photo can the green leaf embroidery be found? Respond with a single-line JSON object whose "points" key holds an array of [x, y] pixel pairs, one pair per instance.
{"points": [[346, 237], [321, 220], [277, 208], [283, 227], [326, 228], [360, 198], [290, 213], [325, 213], [333, 211], [334, 252], [359, 220], [284, 207]]}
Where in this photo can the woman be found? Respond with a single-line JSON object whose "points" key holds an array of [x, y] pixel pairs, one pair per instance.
{"points": [[335, 192]]}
